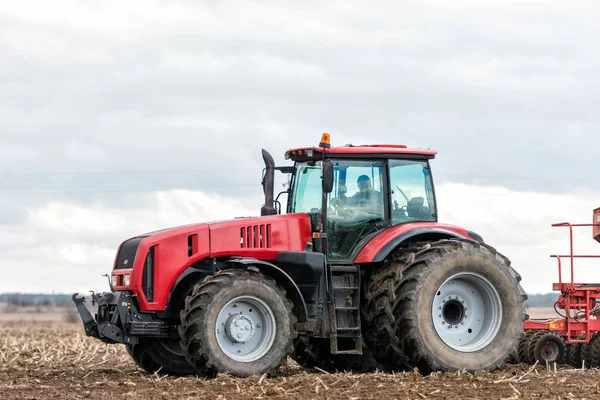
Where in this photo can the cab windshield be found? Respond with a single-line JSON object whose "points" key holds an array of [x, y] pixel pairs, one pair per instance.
{"points": [[367, 196]]}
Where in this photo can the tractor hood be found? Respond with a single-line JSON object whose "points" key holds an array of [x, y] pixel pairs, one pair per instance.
{"points": [[258, 237], [169, 252]]}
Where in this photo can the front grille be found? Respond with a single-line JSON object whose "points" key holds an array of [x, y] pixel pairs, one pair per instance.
{"points": [[127, 252], [255, 236]]}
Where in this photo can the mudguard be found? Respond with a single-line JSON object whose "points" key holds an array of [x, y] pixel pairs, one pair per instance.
{"points": [[381, 245]]}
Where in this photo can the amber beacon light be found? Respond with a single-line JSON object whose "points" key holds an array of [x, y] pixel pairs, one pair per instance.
{"points": [[325, 140]]}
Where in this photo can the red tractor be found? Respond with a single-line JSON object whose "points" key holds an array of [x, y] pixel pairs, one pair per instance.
{"points": [[357, 272], [574, 338]]}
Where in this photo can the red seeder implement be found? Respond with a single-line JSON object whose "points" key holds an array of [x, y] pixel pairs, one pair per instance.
{"points": [[574, 338]]}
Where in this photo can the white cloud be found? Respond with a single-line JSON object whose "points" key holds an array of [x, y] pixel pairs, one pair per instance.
{"points": [[68, 246]]}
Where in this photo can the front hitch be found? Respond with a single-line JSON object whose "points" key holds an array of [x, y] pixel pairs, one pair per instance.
{"points": [[118, 320], [89, 324]]}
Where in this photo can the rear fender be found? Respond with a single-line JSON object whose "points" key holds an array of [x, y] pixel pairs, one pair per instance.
{"points": [[379, 254], [282, 278]]}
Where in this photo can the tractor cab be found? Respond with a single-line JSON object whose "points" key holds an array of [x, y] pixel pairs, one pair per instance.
{"points": [[354, 192]]}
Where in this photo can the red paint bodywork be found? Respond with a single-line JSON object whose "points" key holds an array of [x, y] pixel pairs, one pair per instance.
{"points": [[288, 232], [368, 253]]}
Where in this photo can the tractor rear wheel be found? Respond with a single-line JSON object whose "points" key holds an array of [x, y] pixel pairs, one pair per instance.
{"points": [[239, 322], [162, 356], [453, 304]]}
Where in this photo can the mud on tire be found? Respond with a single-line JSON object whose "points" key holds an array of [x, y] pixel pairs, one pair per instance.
{"points": [[405, 323], [254, 307]]}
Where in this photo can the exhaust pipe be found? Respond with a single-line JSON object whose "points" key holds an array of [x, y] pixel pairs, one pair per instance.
{"points": [[268, 184]]}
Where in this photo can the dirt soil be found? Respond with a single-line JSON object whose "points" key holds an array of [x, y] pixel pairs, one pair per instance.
{"points": [[41, 361]]}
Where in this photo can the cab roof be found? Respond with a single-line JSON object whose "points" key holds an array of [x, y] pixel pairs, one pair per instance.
{"points": [[357, 151]]}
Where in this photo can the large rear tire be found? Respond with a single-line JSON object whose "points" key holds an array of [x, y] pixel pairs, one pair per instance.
{"points": [[451, 305], [239, 322]]}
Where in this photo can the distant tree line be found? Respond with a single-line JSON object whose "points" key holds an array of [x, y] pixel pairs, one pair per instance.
{"points": [[36, 300], [542, 299]]}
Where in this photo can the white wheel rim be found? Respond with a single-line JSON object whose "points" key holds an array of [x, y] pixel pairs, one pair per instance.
{"points": [[467, 312], [245, 328]]}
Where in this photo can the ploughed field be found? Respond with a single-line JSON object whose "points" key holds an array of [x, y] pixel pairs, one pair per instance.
{"points": [[44, 360]]}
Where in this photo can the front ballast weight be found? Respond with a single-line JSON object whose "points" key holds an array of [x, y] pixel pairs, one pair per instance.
{"points": [[117, 319]]}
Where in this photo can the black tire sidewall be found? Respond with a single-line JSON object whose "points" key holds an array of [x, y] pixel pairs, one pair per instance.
{"points": [[283, 334], [498, 274], [142, 358], [172, 363]]}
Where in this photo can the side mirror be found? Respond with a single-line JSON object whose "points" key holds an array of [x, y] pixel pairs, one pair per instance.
{"points": [[327, 176]]}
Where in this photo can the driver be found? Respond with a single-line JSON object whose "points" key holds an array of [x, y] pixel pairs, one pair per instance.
{"points": [[366, 199]]}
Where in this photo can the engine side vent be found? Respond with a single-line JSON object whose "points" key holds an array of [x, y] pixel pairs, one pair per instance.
{"points": [[255, 236]]}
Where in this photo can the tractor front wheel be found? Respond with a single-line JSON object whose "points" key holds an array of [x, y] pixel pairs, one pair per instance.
{"points": [[238, 322]]}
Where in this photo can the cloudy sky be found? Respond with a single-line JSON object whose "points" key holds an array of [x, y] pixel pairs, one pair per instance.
{"points": [[121, 117]]}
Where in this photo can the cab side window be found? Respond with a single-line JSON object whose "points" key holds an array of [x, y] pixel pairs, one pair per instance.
{"points": [[411, 191]]}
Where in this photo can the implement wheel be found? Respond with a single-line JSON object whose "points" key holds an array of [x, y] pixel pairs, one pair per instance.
{"points": [[523, 348], [456, 304], [547, 347], [239, 322], [574, 353], [595, 352]]}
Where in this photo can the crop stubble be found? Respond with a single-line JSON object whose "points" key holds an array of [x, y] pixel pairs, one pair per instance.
{"points": [[59, 361]]}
